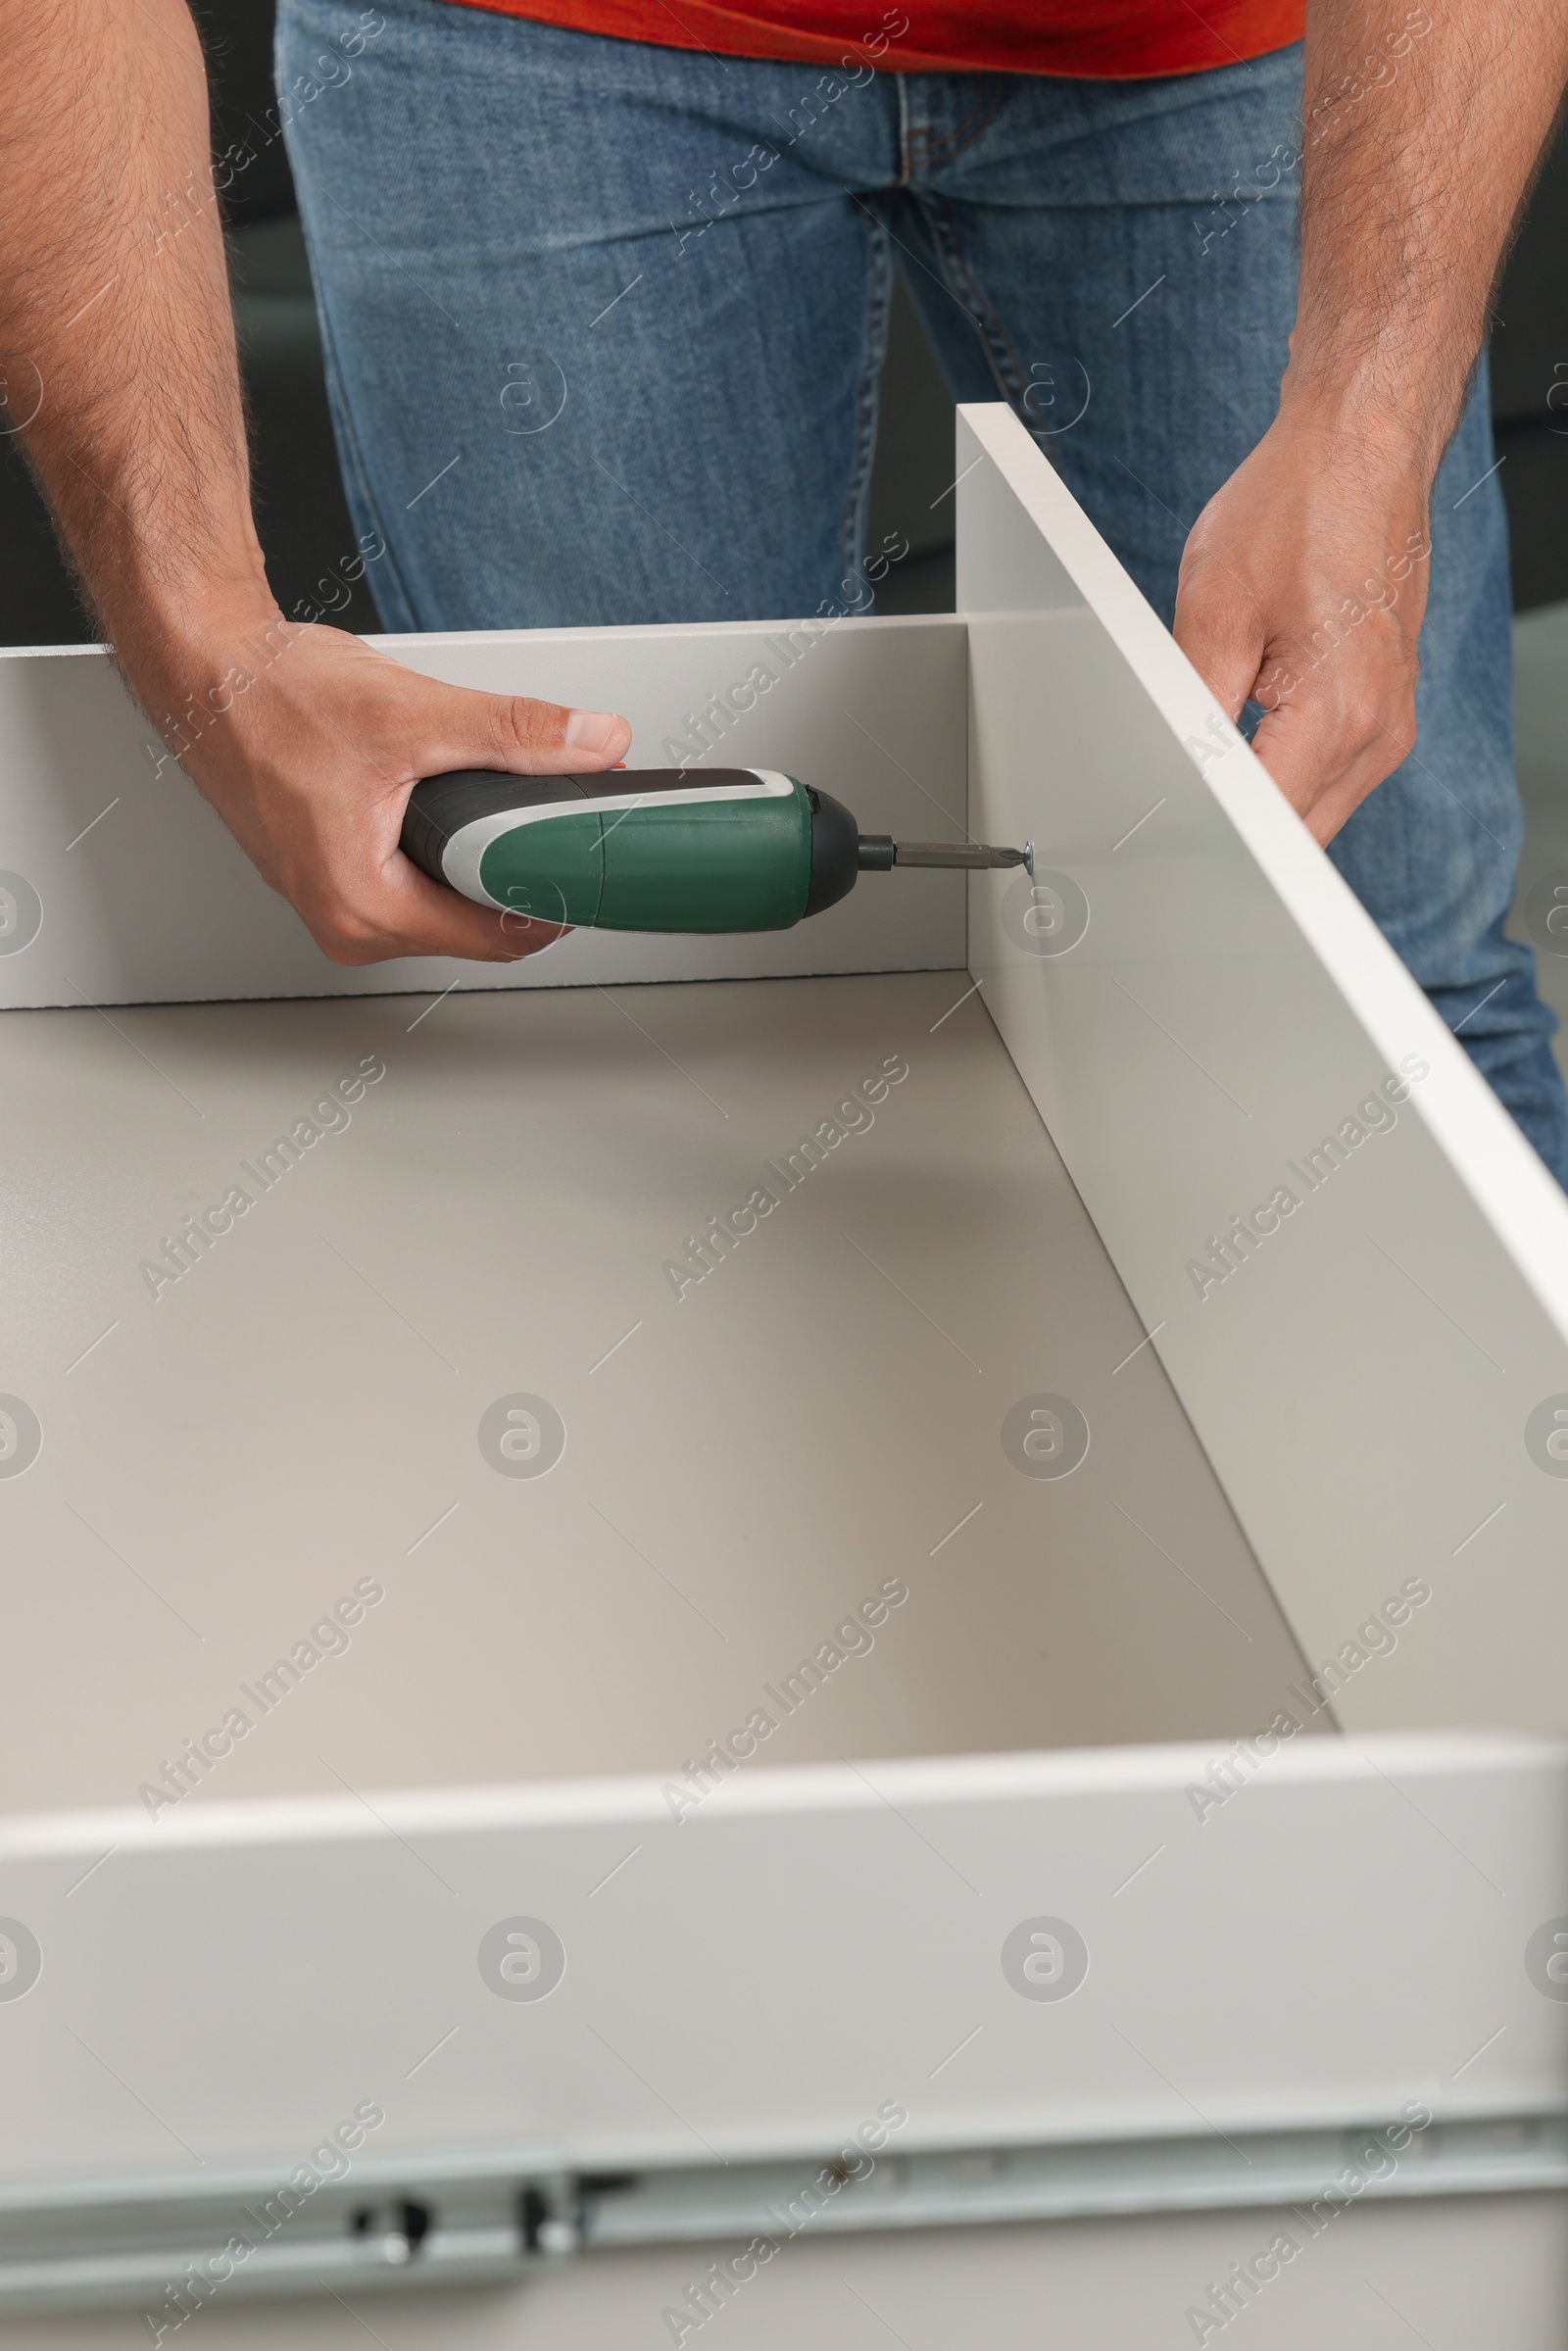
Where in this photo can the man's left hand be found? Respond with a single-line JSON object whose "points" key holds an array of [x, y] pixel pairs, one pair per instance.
{"points": [[1303, 586]]}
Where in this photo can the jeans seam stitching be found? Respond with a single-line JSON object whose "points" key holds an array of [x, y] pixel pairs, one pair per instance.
{"points": [[961, 137], [351, 461], [869, 401], [994, 341]]}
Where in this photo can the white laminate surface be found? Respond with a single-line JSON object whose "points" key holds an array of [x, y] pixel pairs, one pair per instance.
{"points": [[301, 1409]]}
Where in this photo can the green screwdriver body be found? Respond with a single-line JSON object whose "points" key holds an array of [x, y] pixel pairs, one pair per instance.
{"points": [[662, 849]]}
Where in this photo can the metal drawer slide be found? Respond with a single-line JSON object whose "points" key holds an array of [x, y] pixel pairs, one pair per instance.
{"points": [[169, 2245]]}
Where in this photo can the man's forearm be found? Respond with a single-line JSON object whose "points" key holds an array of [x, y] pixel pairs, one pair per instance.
{"points": [[1303, 581], [121, 369], [1422, 131], [116, 318]]}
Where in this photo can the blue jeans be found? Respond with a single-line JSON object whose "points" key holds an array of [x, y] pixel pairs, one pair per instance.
{"points": [[604, 324]]}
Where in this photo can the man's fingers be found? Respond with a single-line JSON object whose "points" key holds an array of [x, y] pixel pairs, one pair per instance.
{"points": [[1289, 598], [1219, 628], [411, 916], [1336, 722], [1326, 753], [1291, 748], [312, 771]]}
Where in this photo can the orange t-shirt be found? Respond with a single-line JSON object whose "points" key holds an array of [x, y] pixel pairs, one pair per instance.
{"points": [[1110, 41]]}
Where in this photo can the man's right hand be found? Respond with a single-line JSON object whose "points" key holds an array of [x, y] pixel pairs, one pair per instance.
{"points": [[309, 746], [117, 325]]}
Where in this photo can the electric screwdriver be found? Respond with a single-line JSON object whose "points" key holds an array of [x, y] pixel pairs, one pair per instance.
{"points": [[656, 849]]}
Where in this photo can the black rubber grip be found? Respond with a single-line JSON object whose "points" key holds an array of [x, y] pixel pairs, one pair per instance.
{"points": [[442, 804], [834, 865]]}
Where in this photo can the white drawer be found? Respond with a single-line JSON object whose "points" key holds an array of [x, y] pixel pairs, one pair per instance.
{"points": [[323, 1691]]}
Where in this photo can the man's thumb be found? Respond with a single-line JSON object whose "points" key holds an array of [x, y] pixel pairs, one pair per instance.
{"points": [[525, 737]]}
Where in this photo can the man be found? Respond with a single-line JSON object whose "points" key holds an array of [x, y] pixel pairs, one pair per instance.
{"points": [[604, 287]]}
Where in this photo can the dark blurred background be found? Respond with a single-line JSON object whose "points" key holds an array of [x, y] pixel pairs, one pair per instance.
{"points": [[305, 526]]}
